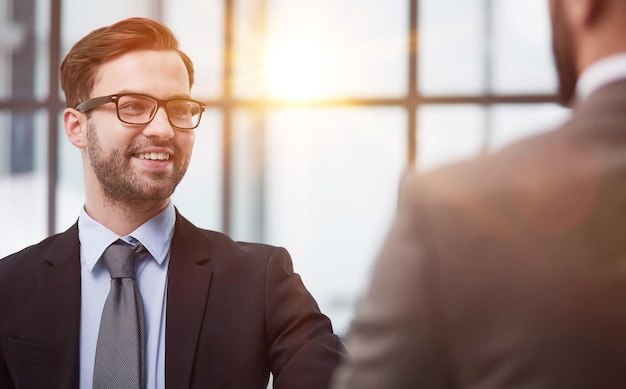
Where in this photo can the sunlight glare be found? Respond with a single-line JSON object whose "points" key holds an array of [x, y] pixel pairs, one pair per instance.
{"points": [[296, 70]]}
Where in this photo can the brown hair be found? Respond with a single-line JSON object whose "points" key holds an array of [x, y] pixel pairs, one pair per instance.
{"points": [[78, 69]]}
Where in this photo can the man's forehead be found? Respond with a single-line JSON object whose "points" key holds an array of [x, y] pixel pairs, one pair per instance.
{"points": [[137, 70]]}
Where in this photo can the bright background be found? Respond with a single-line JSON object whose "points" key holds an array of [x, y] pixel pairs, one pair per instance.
{"points": [[315, 109]]}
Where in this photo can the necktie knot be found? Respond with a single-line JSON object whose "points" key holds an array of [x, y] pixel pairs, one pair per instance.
{"points": [[119, 258]]}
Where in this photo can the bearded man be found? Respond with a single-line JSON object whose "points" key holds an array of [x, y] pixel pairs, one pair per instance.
{"points": [[133, 295], [507, 271]]}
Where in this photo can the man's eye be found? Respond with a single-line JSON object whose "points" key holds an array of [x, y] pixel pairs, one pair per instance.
{"points": [[134, 107], [180, 110]]}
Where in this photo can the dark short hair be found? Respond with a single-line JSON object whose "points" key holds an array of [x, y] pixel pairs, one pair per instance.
{"points": [[79, 68]]}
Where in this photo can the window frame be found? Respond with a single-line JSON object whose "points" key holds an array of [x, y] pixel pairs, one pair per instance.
{"points": [[227, 104]]}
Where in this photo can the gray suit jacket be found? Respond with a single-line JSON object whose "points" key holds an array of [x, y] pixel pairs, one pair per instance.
{"points": [[507, 271], [235, 313]]}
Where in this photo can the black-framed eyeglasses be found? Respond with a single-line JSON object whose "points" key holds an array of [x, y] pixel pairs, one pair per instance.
{"points": [[134, 108]]}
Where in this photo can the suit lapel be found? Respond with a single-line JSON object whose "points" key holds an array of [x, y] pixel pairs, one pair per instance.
{"points": [[187, 291], [58, 289]]}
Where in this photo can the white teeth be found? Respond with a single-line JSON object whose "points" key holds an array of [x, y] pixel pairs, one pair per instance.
{"points": [[155, 156]]}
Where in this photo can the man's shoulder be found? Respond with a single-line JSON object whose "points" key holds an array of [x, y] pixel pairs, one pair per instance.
{"points": [[32, 258], [493, 185], [220, 244], [34, 250], [544, 181], [222, 241], [480, 173]]}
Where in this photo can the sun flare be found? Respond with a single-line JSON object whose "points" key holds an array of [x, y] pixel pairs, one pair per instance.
{"points": [[295, 71]]}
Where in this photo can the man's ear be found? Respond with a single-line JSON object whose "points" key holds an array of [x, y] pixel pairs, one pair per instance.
{"points": [[75, 124], [585, 13]]}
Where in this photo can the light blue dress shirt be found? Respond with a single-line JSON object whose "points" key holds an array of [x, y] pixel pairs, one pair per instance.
{"points": [[155, 235]]}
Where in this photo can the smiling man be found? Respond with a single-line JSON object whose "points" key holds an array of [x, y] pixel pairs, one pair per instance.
{"points": [[133, 295]]}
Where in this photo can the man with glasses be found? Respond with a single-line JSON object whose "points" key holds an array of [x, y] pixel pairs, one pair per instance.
{"points": [[133, 295]]}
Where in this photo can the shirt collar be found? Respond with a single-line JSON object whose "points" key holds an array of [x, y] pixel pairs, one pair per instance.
{"points": [[155, 235], [600, 73]]}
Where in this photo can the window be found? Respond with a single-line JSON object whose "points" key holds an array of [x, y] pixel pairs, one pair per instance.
{"points": [[314, 111]]}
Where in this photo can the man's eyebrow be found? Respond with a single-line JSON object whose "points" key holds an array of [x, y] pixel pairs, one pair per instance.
{"points": [[179, 97], [171, 97]]}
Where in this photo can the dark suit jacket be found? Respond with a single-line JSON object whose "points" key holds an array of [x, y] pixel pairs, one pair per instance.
{"points": [[235, 312], [507, 271]]}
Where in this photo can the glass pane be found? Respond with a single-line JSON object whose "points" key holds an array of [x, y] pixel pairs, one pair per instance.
{"points": [[80, 17], [321, 49], [331, 185], [199, 27], [23, 179], [11, 36], [248, 169], [24, 31], [448, 133], [249, 46], [451, 57], [41, 33], [522, 56], [513, 122], [199, 195]]}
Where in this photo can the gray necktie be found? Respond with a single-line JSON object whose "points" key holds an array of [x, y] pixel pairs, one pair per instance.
{"points": [[120, 360]]}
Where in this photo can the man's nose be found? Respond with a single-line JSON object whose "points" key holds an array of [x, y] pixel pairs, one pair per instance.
{"points": [[160, 126]]}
